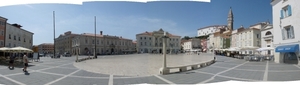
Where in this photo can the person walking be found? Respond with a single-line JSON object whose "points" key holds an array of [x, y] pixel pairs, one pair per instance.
{"points": [[25, 60], [11, 62]]}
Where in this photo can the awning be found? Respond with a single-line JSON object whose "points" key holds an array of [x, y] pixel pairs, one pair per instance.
{"points": [[287, 48]]}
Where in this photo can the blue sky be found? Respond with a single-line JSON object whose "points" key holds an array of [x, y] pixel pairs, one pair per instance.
{"points": [[127, 19]]}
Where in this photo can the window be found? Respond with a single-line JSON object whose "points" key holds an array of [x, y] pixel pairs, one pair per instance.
{"points": [[141, 38], [286, 11], [288, 32], [19, 39], [86, 41], [145, 38], [9, 37], [14, 37], [24, 40], [150, 38], [97, 41], [2, 32], [1, 43], [257, 36], [141, 43]]}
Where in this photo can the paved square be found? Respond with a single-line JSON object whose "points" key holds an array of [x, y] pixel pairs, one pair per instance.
{"points": [[63, 71]]}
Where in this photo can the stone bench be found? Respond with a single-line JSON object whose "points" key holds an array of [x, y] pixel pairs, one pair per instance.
{"points": [[83, 59], [193, 66]]}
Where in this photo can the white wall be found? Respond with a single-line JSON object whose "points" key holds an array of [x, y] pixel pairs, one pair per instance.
{"points": [[293, 20], [206, 31], [18, 32]]}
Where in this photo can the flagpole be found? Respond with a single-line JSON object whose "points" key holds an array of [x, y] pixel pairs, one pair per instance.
{"points": [[95, 41], [54, 33]]}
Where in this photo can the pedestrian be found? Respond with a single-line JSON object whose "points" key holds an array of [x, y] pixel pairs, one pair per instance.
{"points": [[25, 60], [11, 62]]}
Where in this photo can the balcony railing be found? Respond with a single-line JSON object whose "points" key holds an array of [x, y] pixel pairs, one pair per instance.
{"points": [[268, 37]]}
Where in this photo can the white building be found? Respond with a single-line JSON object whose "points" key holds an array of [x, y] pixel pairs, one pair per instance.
{"points": [[209, 30], [192, 44], [152, 42], [248, 38], [46, 48], [16, 36], [105, 44], [267, 39], [286, 14]]}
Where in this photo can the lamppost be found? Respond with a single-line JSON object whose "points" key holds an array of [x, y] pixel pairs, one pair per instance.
{"points": [[164, 69], [77, 52], [76, 48], [214, 51]]}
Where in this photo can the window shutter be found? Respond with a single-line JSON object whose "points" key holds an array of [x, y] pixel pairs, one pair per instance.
{"points": [[283, 34], [289, 10], [292, 32], [281, 11]]}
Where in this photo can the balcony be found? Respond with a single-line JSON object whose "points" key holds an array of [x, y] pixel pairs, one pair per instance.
{"points": [[268, 37]]}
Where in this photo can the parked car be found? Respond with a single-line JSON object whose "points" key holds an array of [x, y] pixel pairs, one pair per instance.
{"points": [[67, 55], [255, 58]]}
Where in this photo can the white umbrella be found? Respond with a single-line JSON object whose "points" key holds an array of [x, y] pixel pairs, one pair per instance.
{"points": [[232, 49], [249, 48], [21, 49], [265, 49]]}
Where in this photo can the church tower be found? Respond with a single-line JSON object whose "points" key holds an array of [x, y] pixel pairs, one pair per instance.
{"points": [[230, 20]]}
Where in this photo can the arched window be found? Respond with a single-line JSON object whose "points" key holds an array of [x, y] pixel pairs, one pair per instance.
{"points": [[268, 33]]}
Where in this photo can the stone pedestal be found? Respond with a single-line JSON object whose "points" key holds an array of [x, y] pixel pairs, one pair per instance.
{"points": [[164, 71]]}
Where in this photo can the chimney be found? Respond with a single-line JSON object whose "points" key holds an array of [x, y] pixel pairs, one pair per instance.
{"points": [[100, 32], [17, 25]]}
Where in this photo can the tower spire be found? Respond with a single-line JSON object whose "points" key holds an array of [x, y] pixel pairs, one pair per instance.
{"points": [[230, 19]]}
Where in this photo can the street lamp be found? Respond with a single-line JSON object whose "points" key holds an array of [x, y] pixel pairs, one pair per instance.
{"points": [[164, 69], [77, 52], [214, 51]]}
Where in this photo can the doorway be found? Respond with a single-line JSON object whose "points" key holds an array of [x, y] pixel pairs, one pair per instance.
{"points": [[290, 58]]}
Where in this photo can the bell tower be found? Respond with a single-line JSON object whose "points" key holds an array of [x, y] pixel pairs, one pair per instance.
{"points": [[230, 20]]}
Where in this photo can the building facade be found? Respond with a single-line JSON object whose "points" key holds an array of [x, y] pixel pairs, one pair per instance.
{"points": [[46, 48], [222, 36], [84, 44], [206, 31], [203, 45], [152, 42], [16, 36], [63, 43], [286, 24], [249, 37], [192, 44], [267, 39], [2, 30]]}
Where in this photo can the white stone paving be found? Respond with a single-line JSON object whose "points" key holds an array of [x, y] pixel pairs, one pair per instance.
{"points": [[139, 65]]}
